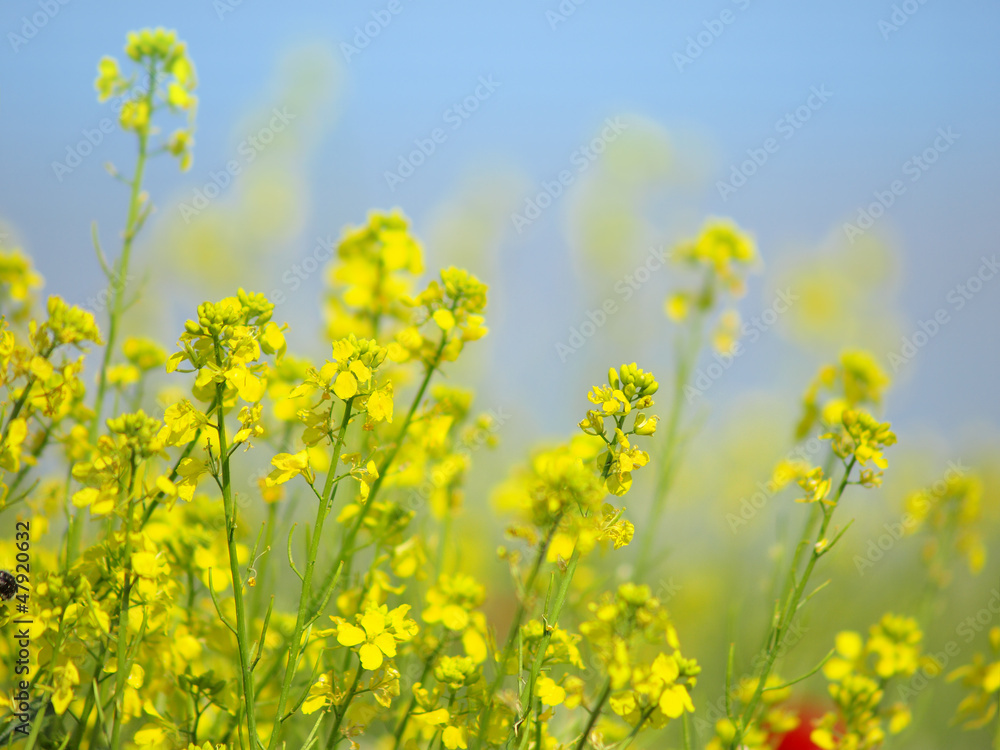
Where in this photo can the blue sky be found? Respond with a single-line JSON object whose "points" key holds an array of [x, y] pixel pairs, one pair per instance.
{"points": [[557, 78]]}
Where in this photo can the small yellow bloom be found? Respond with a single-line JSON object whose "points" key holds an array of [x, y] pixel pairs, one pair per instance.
{"points": [[550, 693], [289, 465], [375, 641]]}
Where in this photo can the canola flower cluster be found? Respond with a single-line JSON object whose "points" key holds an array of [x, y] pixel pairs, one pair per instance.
{"points": [[163, 619]]}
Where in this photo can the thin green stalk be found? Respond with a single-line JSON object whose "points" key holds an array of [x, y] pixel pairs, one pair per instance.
{"points": [[515, 628], [642, 720], [594, 714], [272, 515], [552, 620], [173, 474], [329, 493], [118, 283], [117, 294], [346, 553], [36, 727], [685, 364], [122, 656], [789, 612], [77, 737], [807, 534], [334, 740], [243, 644], [686, 731], [401, 727]]}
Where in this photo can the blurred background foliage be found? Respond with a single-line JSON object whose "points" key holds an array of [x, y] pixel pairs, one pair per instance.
{"points": [[651, 187]]}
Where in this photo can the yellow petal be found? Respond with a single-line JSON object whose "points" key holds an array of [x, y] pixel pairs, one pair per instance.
{"points": [[675, 700], [386, 643], [350, 635], [453, 738], [345, 386], [373, 622], [445, 319], [371, 656], [313, 703], [454, 617], [362, 373], [849, 644]]}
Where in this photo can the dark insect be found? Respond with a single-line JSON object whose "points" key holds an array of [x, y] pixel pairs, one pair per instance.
{"points": [[8, 586]]}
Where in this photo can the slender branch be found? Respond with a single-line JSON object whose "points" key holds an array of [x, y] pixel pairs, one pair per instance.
{"points": [[789, 612], [229, 506], [121, 673], [118, 280], [334, 740], [594, 714], [304, 611]]}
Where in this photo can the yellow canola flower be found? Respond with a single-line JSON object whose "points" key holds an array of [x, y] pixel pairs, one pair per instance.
{"points": [[549, 692], [454, 738], [289, 465], [377, 635]]}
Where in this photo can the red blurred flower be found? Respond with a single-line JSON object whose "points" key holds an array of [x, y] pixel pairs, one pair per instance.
{"points": [[798, 738]]}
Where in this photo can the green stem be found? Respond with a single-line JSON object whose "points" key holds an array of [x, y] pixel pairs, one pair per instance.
{"points": [[515, 628], [401, 728], [77, 737], [121, 674], [346, 552], [685, 363], [642, 720], [789, 612], [334, 740], [118, 283], [605, 692], [117, 295], [551, 620], [229, 506], [25, 392], [329, 493]]}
